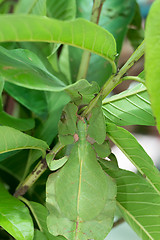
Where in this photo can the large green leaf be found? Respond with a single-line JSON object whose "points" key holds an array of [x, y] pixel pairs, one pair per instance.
{"points": [[128, 144], [24, 68], [42, 29], [15, 217], [138, 201], [152, 58], [12, 139], [81, 197], [131, 107]]}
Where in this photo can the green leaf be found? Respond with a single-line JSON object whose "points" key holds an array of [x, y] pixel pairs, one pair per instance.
{"points": [[17, 123], [24, 68], [96, 129], [15, 217], [135, 32], [138, 202], [42, 29], [55, 164], [11, 162], [67, 124], [12, 139], [37, 7], [63, 10], [48, 129], [32, 99], [131, 107], [40, 214], [89, 194], [115, 17], [152, 53], [82, 92], [128, 144], [102, 150]]}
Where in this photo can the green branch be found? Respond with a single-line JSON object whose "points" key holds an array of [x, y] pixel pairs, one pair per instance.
{"points": [[83, 69], [115, 79], [36, 173]]}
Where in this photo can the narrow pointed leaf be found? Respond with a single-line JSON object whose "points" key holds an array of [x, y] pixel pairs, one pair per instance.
{"points": [[128, 144], [131, 107], [152, 57], [138, 202], [80, 197], [43, 29], [15, 217], [12, 139]]}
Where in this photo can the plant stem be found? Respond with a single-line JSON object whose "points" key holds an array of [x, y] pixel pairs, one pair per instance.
{"points": [[36, 173], [115, 79], [96, 10]]}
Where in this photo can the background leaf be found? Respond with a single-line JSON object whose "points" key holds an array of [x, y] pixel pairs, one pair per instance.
{"points": [[17, 123], [131, 107], [15, 217], [138, 202], [152, 48], [115, 17], [37, 7], [128, 144], [37, 28], [63, 10]]}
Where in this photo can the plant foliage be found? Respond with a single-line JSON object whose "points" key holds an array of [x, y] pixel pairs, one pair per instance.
{"points": [[58, 64]]}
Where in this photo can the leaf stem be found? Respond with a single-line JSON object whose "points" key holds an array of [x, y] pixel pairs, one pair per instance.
{"points": [[39, 169], [134, 78], [115, 79], [83, 69]]}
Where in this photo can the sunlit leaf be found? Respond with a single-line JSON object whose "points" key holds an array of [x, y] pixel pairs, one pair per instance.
{"points": [[12, 139], [152, 56], [131, 107], [15, 217], [138, 201], [42, 29], [128, 144]]}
